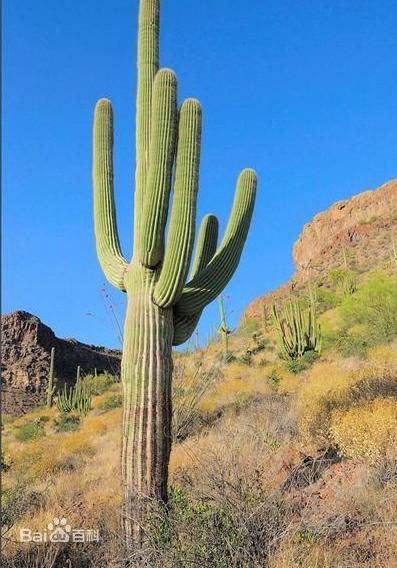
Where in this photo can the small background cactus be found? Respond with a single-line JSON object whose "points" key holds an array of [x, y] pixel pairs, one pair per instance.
{"points": [[51, 379], [298, 330], [76, 398], [223, 330]]}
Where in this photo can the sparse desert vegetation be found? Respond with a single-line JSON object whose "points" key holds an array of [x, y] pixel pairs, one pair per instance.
{"points": [[270, 466]]}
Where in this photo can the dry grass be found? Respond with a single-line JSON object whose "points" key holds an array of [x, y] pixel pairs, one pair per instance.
{"points": [[228, 506]]}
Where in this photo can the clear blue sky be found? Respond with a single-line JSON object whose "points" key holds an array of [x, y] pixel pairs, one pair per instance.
{"points": [[304, 91]]}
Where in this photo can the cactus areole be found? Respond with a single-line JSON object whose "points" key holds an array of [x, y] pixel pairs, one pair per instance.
{"points": [[164, 304]]}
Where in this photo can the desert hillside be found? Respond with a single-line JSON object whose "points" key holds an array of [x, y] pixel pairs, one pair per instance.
{"points": [[284, 450], [358, 233]]}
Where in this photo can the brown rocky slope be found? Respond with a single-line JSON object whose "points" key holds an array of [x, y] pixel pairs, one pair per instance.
{"points": [[359, 233], [26, 347]]}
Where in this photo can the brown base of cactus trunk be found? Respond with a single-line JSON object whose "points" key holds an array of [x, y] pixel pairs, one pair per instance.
{"points": [[146, 376]]}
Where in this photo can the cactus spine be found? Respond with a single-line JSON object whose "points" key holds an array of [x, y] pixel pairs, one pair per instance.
{"points": [[298, 332], [163, 305], [51, 382]]}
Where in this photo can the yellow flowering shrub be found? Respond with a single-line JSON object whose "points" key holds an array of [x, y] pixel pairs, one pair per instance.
{"points": [[326, 389], [329, 388], [367, 431]]}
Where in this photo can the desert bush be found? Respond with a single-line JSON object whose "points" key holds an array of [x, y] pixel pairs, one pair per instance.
{"points": [[344, 281], [246, 358], [274, 378], [369, 317], [367, 431], [188, 391], [112, 401], [16, 501], [296, 366], [330, 388], [249, 326], [326, 299], [100, 383], [30, 430], [67, 423]]}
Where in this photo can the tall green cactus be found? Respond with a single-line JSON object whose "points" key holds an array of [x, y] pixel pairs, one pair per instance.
{"points": [[298, 332], [223, 328], [51, 381], [163, 305]]}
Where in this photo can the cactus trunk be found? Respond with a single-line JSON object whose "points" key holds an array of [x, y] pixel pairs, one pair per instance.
{"points": [[146, 372]]}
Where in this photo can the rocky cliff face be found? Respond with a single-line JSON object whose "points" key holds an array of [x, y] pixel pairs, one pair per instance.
{"points": [[357, 232], [26, 348]]}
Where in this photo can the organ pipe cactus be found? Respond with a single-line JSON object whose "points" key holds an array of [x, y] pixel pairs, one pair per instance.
{"points": [[298, 332], [164, 305], [51, 381], [76, 398]]}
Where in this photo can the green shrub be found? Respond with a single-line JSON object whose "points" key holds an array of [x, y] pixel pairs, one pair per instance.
{"points": [[100, 383], [246, 358], [112, 401], [370, 315], [249, 326], [43, 419], [16, 501], [30, 431], [344, 280], [67, 423], [274, 378], [326, 300], [298, 365]]}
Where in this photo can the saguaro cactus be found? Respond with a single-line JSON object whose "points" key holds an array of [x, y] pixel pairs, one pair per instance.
{"points": [[223, 328], [51, 385], [163, 305]]}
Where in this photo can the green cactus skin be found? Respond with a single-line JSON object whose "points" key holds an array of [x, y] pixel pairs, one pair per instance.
{"points": [[298, 332], [51, 381], [164, 305], [223, 329], [75, 399]]}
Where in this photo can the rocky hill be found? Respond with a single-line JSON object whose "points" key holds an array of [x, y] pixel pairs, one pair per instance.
{"points": [[359, 233], [26, 348]]}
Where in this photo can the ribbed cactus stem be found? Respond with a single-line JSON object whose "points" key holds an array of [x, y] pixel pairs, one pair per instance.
{"points": [[298, 332], [76, 398], [51, 381], [163, 310], [224, 331]]}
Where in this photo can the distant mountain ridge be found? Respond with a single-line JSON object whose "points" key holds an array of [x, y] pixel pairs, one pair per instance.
{"points": [[25, 360], [358, 232]]}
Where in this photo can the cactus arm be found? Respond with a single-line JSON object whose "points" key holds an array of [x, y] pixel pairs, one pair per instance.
{"points": [[210, 282], [206, 244], [147, 67], [180, 238], [106, 235], [161, 158], [206, 248]]}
